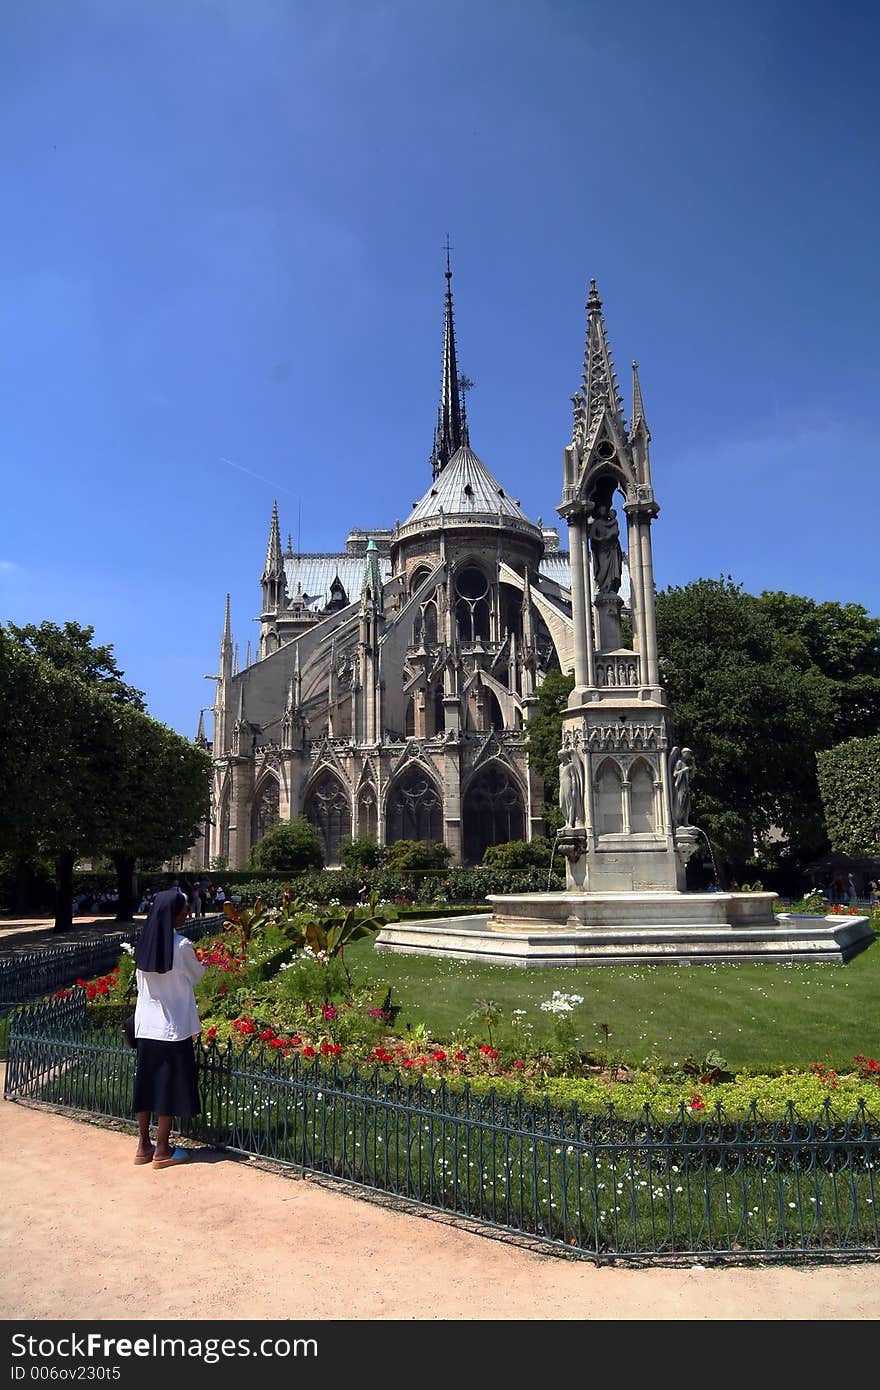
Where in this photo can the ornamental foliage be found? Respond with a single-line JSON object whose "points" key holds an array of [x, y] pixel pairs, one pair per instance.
{"points": [[849, 779]]}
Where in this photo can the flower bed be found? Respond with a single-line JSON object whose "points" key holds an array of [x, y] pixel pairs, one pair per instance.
{"points": [[277, 982]]}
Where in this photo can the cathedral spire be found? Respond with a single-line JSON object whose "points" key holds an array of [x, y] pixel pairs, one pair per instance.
{"points": [[638, 415], [371, 588], [599, 389], [201, 740], [274, 559], [226, 645], [450, 433], [226, 640]]}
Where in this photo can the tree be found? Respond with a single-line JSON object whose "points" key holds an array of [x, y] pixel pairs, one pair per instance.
{"points": [[289, 846], [849, 779], [161, 797], [544, 732], [83, 770], [70, 649], [753, 714]]}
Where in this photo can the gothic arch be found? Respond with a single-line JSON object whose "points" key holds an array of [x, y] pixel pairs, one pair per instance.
{"points": [[609, 797], [414, 807], [492, 810], [265, 807], [642, 814], [327, 805]]}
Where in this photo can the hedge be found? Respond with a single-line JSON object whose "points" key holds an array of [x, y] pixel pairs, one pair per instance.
{"points": [[849, 780]]}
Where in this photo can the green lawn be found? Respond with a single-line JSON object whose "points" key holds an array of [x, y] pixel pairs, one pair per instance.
{"points": [[755, 1015]]}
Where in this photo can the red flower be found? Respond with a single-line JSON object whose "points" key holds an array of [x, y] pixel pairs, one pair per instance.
{"points": [[297, 1040], [328, 1011], [461, 1056], [697, 1103], [211, 1033], [267, 1035], [519, 1065], [309, 1052], [488, 1051], [408, 1062], [438, 1056]]}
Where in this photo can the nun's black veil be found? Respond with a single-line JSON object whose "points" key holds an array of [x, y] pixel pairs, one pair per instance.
{"points": [[155, 945]]}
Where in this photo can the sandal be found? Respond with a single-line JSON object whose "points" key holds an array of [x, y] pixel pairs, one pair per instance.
{"points": [[178, 1156], [141, 1159]]}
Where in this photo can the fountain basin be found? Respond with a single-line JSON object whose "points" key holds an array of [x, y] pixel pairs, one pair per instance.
{"points": [[537, 930]]}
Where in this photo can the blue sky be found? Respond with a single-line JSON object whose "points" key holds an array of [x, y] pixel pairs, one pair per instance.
{"points": [[222, 240]]}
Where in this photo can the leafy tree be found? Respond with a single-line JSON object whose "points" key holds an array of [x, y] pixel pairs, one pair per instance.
{"points": [[161, 797], [842, 641], [70, 649], [753, 716], [544, 732], [289, 845], [849, 779]]}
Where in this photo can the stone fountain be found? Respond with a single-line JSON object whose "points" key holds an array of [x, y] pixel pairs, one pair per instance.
{"points": [[625, 785]]}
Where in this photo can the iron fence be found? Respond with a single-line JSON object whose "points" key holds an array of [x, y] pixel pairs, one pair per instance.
{"points": [[603, 1185], [33, 973]]}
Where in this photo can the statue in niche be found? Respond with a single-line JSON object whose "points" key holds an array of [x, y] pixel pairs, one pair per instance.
{"points": [[682, 768], [571, 789], [607, 554]]}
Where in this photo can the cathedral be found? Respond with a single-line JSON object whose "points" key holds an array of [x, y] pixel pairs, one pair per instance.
{"points": [[393, 684]]}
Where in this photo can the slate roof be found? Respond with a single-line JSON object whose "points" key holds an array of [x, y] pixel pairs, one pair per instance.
{"points": [[466, 487]]}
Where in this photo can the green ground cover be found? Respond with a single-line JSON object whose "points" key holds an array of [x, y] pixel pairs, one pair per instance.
{"points": [[756, 1015]]}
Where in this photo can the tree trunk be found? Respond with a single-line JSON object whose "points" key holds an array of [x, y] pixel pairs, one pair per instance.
{"points": [[24, 876], [64, 891], [125, 886]]}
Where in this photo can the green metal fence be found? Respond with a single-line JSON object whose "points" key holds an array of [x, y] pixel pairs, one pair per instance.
{"points": [[603, 1185]]}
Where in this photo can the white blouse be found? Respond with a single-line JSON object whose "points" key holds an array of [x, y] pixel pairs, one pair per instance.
{"points": [[166, 1007]]}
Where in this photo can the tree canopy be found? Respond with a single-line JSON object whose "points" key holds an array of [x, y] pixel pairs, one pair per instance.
{"points": [[83, 769], [849, 779], [70, 649]]}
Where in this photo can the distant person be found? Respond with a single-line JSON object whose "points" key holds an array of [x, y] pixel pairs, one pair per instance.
{"points": [[874, 888], [853, 891], [219, 897], [196, 899], [166, 1025]]}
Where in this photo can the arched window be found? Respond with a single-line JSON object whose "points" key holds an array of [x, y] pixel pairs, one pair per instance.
{"points": [[492, 812], [409, 725], [472, 604], [415, 811], [265, 808], [368, 820], [609, 799], [641, 800], [439, 711], [329, 809]]}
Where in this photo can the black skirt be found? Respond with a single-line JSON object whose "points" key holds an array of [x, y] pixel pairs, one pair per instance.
{"points": [[165, 1079]]}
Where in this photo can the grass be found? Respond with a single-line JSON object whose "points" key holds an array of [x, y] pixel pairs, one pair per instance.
{"points": [[756, 1015]]}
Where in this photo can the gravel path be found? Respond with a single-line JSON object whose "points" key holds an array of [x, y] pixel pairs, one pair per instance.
{"points": [[233, 1240]]}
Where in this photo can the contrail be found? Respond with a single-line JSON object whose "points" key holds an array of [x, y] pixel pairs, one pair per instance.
{"points": [[241, 468]]}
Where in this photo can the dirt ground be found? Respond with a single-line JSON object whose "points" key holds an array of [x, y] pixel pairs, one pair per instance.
{"points": [[79, 1241]]}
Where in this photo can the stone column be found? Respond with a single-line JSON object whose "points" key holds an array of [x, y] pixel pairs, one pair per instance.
{"points": [[579, 600], [637, 594], [592, 621], [240, 812], [653, 674]]}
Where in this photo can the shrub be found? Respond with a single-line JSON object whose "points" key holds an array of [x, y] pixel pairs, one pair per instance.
{"points": [[361, 852], [518, 855], [416, 854], [289, 845], [849, 780]]}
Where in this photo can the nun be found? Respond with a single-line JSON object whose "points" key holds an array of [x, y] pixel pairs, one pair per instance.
{"points": [[166, 1025]]}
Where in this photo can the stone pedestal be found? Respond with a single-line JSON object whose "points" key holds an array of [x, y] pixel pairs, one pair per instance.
{"points": [[608, 610]]}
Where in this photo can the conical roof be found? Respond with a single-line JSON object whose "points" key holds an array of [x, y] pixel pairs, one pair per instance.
{"points": [[465, 487]]}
